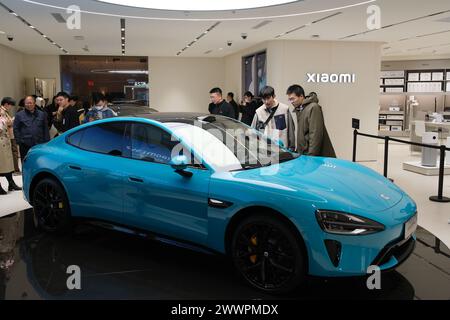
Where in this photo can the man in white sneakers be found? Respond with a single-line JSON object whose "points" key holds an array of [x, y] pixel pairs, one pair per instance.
{"points": [[274, 119]]}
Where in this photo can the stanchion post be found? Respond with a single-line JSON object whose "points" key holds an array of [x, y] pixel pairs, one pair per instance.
{"points": [[440, 197], [386, 155], [355, 140]]}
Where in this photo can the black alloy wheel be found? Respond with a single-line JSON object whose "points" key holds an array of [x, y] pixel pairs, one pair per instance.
{"points": [[268, 254], [51, 207]]}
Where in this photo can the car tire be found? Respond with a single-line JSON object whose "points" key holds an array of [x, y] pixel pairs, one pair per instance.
{"points": [[268, 254], [51, 206]]}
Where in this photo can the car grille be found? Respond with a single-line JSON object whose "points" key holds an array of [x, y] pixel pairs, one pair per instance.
{"points": [[401, 250]]}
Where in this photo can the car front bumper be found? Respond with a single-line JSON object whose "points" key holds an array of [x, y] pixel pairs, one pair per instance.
{"points": [[333, 255]]}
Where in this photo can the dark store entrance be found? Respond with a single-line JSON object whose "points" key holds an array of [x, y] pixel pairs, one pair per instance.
{"points": [[119, 78]]}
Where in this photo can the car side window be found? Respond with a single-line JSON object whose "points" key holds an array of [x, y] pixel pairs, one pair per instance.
{"points": [[75, 138], [152, 144], [106, 138]]}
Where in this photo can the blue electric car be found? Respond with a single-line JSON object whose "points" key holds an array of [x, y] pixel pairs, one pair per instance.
{"points": [[213, 182]]}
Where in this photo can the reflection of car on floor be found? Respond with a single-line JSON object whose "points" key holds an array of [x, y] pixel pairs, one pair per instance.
{"points": [[279, 216], [134, 102]]}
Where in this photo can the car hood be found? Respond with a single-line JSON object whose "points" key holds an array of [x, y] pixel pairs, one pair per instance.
{"points": [[326, 180]]}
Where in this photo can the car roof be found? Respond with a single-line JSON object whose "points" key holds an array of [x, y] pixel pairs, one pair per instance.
{"points": [[186, 117]]}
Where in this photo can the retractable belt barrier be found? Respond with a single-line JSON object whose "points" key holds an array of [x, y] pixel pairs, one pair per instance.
{"points": [[442, 148]]}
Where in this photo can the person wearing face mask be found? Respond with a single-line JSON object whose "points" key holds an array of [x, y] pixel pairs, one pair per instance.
{"points": [[100, 110]]}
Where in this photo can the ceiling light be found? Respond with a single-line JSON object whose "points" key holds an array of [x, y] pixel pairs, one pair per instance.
{"points": [[128, 71], [198, 5], [31, 26], [198, 38]]}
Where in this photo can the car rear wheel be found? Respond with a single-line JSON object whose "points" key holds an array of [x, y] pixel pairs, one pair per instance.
{"points": [[51, 206], [268, 254]]}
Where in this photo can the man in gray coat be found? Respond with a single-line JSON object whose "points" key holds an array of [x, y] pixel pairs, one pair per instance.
{"points": [[311, 134]]}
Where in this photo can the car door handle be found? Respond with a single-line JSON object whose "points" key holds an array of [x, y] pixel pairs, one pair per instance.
{"points": [[133, 179], [75, 168]]}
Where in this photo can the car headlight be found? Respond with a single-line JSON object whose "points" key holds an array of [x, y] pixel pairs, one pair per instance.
{"points": [[346, 224]]}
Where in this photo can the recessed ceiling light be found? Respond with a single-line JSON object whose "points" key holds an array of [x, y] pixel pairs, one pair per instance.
{"points": [[129, 71], [198, 5], [198, 38]]}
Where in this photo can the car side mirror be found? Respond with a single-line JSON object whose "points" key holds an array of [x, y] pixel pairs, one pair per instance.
{"points": [[180, 164]]}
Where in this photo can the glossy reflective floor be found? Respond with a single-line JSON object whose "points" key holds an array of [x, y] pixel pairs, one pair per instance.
{"points": [[119, 266]]}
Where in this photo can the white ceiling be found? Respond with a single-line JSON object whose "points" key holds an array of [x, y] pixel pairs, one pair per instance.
{"points": [[164, 33]]}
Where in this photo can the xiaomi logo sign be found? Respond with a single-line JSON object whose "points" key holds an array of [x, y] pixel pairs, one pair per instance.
{"points": [[331, 77]]}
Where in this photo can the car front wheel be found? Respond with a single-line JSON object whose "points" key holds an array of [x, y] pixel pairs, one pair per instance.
{"points": [[51, 206], [268, 254]]}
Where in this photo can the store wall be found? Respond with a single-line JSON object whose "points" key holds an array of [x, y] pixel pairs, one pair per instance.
{"points": [[12, 82], [183, 84], [41, 66], [288, 62]]}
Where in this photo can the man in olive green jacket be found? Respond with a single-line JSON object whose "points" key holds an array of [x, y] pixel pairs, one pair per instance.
{"points": [[312, 138]]}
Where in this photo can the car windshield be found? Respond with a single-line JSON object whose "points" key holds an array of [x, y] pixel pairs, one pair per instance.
{"points": [[230, 145]]}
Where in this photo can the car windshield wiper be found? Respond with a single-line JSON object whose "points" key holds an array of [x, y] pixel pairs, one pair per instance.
{"points": [[209, 119], [248, 167], [289, 157]]}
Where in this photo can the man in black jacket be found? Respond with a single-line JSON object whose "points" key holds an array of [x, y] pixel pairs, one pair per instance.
{"points": [[230, 100], [67, 116], [248, 108], [218, 105], [30, 127]]}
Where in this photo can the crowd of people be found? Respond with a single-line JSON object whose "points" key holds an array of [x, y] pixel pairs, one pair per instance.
{"points": [[300, 127], [35, 123]]}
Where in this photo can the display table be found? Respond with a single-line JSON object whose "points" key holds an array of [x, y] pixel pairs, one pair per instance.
{"points": [[416, 167]]}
